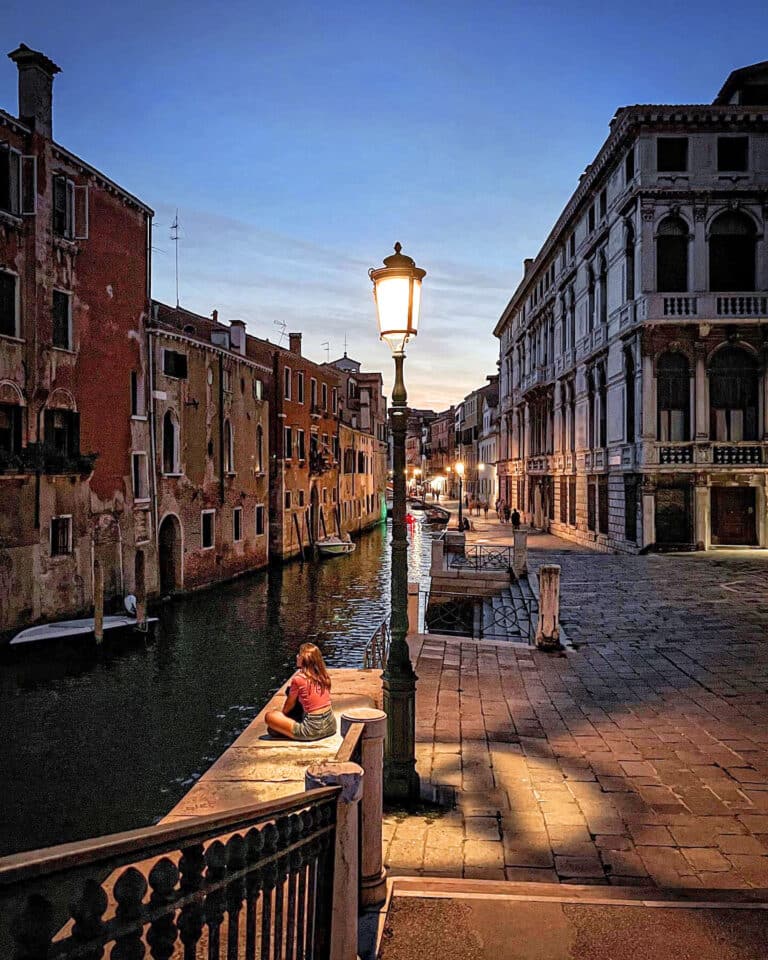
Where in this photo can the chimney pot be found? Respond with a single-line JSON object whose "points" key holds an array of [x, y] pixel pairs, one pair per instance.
{"points": [[294, 343], [215, 316], [36, 73]]}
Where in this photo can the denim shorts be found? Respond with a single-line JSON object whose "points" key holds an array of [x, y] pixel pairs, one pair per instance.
{"points": [[315, 726]]}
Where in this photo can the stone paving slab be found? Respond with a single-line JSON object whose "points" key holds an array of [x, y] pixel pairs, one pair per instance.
{"points": [[640, 757]]}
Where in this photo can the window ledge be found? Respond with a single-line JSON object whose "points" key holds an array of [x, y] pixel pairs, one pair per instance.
{"points": [[231, 473], [67, 350], [142, 501], [171, 474], [142, 417], [12, 338]]}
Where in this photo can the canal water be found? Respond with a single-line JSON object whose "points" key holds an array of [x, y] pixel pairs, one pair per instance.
{"points": [[96, 742]]}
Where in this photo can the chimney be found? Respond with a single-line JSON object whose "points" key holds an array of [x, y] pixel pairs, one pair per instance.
{"points": [[294, 343], [527, 264], [215, 316], [237, 336], [36, 73]]}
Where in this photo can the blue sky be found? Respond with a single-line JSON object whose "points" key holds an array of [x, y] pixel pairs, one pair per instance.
{"points": [[300, 140]]}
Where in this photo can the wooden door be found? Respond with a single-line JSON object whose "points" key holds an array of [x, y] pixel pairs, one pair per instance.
{"points": [[734, 518]]}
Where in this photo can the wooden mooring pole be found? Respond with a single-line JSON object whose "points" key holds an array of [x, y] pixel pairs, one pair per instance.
{"points": [[98, 601]]}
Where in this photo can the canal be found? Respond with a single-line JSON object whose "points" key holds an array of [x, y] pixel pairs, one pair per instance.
{"points": [[96, 742]]}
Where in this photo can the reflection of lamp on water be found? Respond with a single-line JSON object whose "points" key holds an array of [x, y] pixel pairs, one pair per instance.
{"points": [[397, 292], [460, 475]]}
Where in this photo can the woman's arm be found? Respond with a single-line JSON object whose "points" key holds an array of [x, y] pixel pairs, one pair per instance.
{"points": [[293, 695]]}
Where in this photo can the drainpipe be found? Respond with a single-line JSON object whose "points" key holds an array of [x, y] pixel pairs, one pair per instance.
{"points": [[221, 428]]}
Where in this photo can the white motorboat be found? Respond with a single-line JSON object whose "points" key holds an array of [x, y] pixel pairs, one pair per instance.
{"points": [[73, 628], [335, 546]]}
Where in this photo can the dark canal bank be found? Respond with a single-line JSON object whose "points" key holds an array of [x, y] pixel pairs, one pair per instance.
{"points": [[101, 741]]}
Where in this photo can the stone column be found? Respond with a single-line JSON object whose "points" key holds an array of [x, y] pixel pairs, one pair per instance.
{"points": [[548, 626], [520, 552], [373, 888], [98, 601], [701, 513], [413, 608], [346, 869], [649, 515], [701, 431], [649, 400]]}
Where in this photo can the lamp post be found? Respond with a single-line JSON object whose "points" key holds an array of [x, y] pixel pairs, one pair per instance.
{"points": [[460, 475], [397, 293]]}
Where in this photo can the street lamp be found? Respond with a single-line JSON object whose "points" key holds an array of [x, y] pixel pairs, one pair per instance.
{"points": [[397, 293], [460, 474]]}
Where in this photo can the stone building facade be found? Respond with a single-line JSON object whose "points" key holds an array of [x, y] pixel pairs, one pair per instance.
{"points": [[209, 472], [634, 389], [74, 297]]}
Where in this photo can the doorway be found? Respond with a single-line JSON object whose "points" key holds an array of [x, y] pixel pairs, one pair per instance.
{"points": [[734, 516], [170, 555], [674, 526]]}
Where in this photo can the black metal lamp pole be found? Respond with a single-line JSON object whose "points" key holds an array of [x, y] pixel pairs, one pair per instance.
{"points": [[397, 292], [461, 499]]}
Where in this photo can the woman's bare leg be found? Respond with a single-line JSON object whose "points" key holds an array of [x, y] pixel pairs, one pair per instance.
{"points": [[277, 722]]}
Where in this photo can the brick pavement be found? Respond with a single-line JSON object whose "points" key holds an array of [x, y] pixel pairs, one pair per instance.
{"points": [[640, 757]]}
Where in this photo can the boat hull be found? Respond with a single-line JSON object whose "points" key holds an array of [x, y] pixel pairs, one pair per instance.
{"points": [[73, 628]]}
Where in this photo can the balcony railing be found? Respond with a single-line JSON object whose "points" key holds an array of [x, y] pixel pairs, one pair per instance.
{"points": [[39, 457], [735, 455], [703, 306], [476, 556], [705, 453], [676, 454]]}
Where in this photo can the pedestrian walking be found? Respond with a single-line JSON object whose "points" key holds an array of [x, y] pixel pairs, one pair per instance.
{"points": [[485, 509], [515, 519], [507, 513]]}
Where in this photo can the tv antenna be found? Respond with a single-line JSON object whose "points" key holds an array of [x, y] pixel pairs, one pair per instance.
{"points": [[283, 326], [175, 238], [345, 343], [326, 345]]}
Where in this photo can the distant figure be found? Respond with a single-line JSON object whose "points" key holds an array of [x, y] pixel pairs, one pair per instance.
{"points": [[507, 513], [310, 692], [466, 500], [515, 519], [485, 508]]}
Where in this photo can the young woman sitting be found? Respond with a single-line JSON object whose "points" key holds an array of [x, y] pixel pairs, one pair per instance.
{"points": [[310, 687]]}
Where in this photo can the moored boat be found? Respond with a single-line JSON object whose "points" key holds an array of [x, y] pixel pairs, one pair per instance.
{"points": [[72, 628], [335, 546], [436, 516]]}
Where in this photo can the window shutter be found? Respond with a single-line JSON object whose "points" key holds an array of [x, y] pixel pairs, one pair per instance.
{"points": [[14, 182], [80, 213], [59, 206], [70, 210], [29, 185]]}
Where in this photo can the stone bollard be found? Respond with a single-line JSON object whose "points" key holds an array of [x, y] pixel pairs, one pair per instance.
{"points": [[98, 601], [140, 589], [548, 626], [520, 552], [346, 869], [413, 608], [373, 876]]}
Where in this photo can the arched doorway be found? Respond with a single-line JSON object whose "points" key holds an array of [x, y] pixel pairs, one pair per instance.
{"points": [[170, 555]]}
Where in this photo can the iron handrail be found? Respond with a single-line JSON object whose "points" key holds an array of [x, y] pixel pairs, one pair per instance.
{"points": [[478, 556], [377, 650]]}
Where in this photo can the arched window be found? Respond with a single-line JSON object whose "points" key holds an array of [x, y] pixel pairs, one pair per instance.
{"points": [[629, 394], [733, 395], [673, 393], [170, 443], [229, 448], [672, 255], [590, 410], [602, 392], [572, 417], [563, 325], [259, 449], [572, 319], [590, 298], [629, 263], [732, 252], [563, 417], [603, 289]]}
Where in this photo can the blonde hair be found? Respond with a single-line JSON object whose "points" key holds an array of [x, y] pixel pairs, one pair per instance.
{"points": [[311, 663]]}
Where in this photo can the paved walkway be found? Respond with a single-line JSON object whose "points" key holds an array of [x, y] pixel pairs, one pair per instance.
{"points": [[639, 758]]}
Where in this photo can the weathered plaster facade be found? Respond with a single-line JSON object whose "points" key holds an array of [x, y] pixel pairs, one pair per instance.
{"points": [[633, 352]]}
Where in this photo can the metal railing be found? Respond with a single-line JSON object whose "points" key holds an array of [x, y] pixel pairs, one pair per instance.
{"points": [[377, 651], [255, 882], [479, 618], [478, 556]]}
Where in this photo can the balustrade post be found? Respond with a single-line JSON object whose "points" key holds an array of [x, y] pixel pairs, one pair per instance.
{"points": [[413, 608], [548, 626], [372, 872], [520, 553], [349, 776]]}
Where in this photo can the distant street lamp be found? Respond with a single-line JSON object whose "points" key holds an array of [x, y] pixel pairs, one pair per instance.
{"points": [[460, 475], [397, 292]]}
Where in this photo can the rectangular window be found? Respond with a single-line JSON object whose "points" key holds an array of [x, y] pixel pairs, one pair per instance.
{"points": [[10, 428], [333, 495], [603, 204], [324, 394], [313, 392], [139, 473], [301, 498], [226, 380], [61, 536], [10, 179], [207, 528], [9, 324], [629, 166], [258, 390], [259, 521], [237, 524], [287, 383], [572, 501], [630, 509], [300, 387], [62, 432], [137, 394], [334, 400], [287, 499], [325, 495], [572, 245], [300, 445], [287, 443], [175, 364], [733, 153], [591, 505], [63, 208], [672, 154], [563, 499], [62, 320], [602, 504]]}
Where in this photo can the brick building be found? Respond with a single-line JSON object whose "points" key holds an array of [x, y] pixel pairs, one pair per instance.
{"points": [[210, 469], [74, 295], [634, 389]]}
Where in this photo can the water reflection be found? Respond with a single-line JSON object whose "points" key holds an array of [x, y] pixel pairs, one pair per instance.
{"points": [[107, 740]]}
